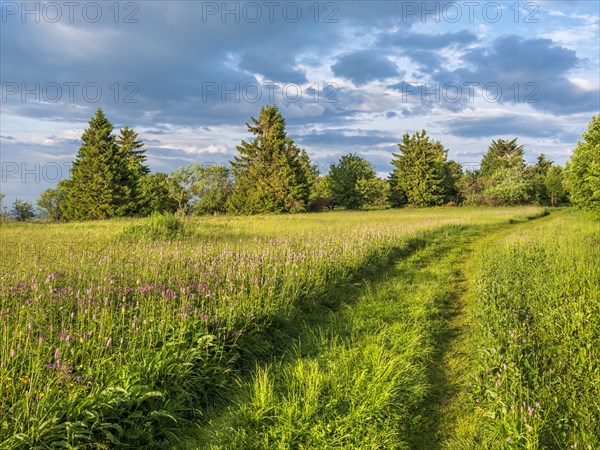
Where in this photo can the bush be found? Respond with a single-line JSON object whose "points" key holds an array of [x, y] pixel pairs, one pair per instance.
{"points": [[157, 227]]}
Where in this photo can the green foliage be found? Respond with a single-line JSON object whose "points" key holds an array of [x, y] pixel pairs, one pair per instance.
{"points": [[583, 171], [422, 173], [181, 183], [52, 202], [504, 179], [127, 343], [375, 191], [507, 186], [321, 196], [22, 210], [105, 175], [157, 227], [536, 295], [396, 195], [198, 189], [156, 195], [452, 179], [3, 212], [271, 173], [502, 154], [130, 151], [345, 180], [470, 188], [537, 175], [554, 186], [212, 190]]}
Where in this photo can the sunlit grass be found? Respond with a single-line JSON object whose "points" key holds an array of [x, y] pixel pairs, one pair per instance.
{"points": [[107, 341], [536, 377]]}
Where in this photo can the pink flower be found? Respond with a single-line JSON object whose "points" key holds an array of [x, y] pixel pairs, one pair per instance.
{"points": [[109, 342]]}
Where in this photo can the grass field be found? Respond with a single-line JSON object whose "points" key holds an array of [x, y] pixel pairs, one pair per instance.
{"points": [[434, 328]]}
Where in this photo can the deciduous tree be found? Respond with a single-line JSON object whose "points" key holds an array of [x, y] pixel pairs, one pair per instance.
{"points": [[583, 170]]}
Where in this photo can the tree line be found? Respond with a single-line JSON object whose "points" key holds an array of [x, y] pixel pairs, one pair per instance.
{"points": [[270, 174]]}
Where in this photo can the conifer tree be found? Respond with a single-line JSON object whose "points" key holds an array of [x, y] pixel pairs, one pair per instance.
{"points": [[131, 152], [502, 154], [421, 171], [271, 175], [98, 186]]}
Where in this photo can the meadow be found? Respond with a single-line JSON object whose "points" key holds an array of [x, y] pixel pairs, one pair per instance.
{"points": [[411, 328]]}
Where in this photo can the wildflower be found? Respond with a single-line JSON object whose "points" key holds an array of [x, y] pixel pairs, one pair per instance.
{"points": [[508, 439], [537, 405], [109, 342], [12, 352]]}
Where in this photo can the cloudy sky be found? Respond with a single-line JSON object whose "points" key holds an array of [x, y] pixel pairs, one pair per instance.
{"points": [[349, 76]]}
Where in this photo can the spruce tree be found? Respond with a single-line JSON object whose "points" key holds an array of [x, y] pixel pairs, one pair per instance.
{"points": [[132, 154], [502, 154], [271, 174], [420, 171], [98, 185]]}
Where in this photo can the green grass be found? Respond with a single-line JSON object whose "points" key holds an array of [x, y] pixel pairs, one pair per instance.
{"points": [[535, 376], [337, 330], [363, 376]]}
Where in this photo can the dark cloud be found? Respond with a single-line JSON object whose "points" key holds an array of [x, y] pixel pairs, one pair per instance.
{"points": [[532, 71], [346, 138], [428, 61], [272, 66], [364, 66], [504, 126]]}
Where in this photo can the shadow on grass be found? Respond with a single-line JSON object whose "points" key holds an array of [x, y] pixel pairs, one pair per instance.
{"points": [[282, 333], [447, 245]]}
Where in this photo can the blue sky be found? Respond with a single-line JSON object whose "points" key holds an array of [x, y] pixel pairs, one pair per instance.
{"points": [[349, 76]]}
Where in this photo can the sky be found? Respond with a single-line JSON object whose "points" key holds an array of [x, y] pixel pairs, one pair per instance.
{"points": [[348, 76]]}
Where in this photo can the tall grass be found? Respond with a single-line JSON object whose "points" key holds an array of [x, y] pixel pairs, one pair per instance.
{"points": [[536, 382], [108, 342], [361, 376]]}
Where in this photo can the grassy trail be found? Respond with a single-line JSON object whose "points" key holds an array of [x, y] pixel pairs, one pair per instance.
{"points": [[454, 355], [384, 365]]}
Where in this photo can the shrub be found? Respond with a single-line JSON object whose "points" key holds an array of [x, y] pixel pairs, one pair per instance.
{"points": [[157, 227]]}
